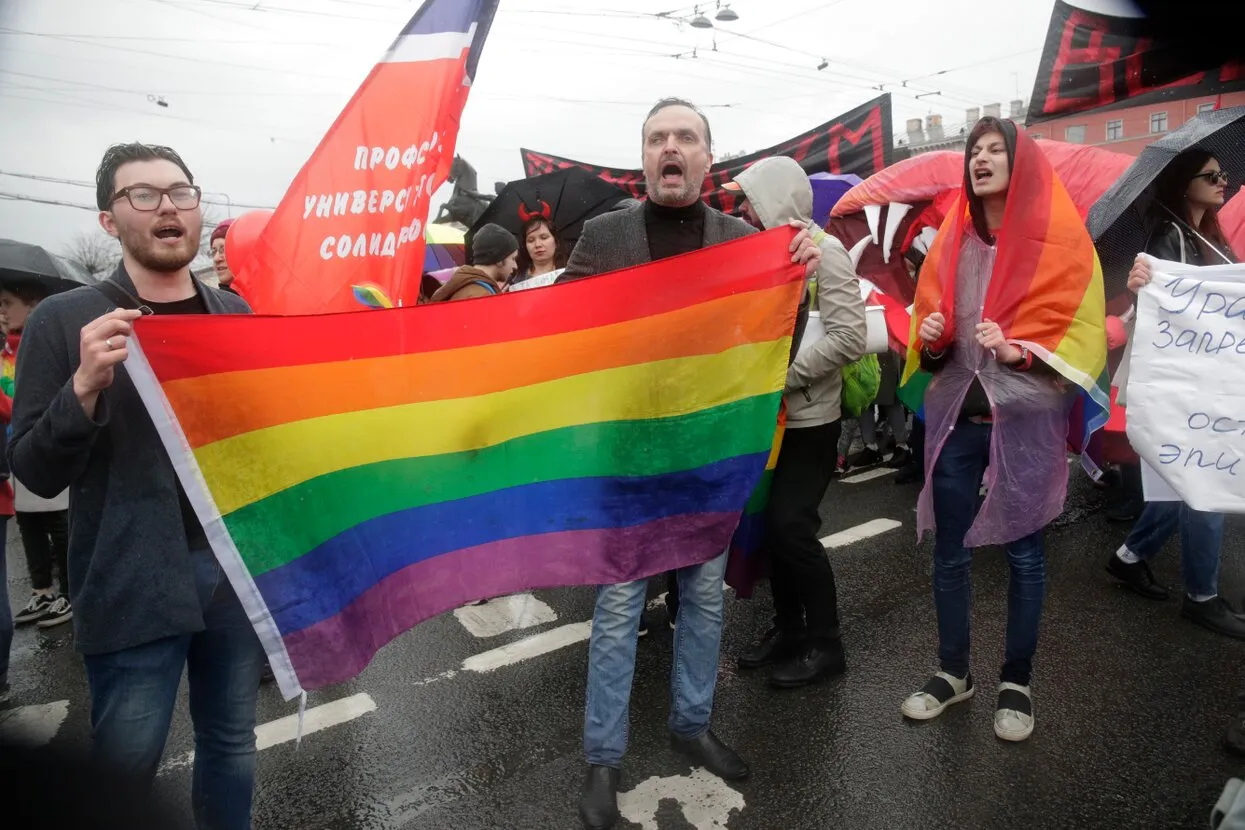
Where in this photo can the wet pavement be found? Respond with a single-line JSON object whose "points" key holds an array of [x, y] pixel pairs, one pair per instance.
{"points": [[447, 729]]}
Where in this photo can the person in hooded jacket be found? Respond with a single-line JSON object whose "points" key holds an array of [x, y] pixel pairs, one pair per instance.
{"points": [[495, 254], [804, 643]]}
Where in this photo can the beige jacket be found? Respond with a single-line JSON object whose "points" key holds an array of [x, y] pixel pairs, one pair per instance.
{"points": [[779, 191]]}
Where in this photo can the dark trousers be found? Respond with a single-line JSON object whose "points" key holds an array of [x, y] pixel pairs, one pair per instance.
{"points": [[805, 598], [45, 536], [957, 480]]}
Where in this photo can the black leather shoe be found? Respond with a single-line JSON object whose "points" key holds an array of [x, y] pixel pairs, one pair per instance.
{"points": [[710, 753], [1215, 614], [1234, 739], [1136, 578], [598, 802], [817, 662], [774, 646]]}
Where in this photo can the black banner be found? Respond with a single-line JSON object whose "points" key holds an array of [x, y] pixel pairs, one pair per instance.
{"points": [[856, 142], [1099, 61]]}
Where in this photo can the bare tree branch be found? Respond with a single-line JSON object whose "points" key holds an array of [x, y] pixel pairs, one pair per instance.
{"points": [[96, 252]]}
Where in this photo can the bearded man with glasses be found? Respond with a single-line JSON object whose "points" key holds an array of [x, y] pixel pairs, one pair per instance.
{"points": [[150, 599]]}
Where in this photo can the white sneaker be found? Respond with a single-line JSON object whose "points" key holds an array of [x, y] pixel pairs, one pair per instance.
{"points": [[939, 692], [1013, 718]]}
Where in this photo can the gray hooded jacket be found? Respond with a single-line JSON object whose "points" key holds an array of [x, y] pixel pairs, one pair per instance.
{"points": [[779, 191]]}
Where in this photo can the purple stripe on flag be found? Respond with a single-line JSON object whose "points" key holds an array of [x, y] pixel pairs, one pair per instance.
{"points": [[336, 649]]}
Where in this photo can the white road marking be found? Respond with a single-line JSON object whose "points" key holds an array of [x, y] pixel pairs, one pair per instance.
{"points": [[283, 730], [33, 725], [504, 614], [880, 472], [706, 800], [859, 533], [529, 647]]}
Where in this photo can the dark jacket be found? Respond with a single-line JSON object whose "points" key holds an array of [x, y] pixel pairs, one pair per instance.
{"points": [[130, 568], [1177, 243], [619, 239], [466, 283]]}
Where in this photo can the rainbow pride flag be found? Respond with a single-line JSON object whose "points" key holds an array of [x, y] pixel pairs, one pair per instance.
{"points": [[359, 473], [1046, 290]]}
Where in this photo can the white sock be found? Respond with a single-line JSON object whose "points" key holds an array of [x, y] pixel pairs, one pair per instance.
{"points": [[1202, 597], [873, 447], [1127, 556]]}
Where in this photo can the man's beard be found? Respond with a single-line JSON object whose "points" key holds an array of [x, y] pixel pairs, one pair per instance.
{"points": [[155, 255], [686, 195]]}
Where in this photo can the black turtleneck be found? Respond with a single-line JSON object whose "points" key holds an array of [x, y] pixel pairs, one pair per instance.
{"points": [[674, 230]]}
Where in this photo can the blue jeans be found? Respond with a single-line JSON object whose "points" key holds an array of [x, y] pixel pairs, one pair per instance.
{"points": [[1201, 537], [611, 659], [957, 480], [133, 693], [6, 613]]}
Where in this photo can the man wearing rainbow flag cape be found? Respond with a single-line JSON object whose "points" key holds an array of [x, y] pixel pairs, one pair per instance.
{"points": [[1010, 321]]}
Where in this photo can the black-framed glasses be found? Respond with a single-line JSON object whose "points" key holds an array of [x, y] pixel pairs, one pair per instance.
{"points": [[1213, 177], [147, 198]]}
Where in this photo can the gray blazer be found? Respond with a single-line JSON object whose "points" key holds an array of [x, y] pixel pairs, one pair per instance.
{"points": [[618, 239], [130, 569]]}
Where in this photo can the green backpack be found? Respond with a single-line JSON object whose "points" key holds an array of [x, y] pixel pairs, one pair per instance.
{"points": [[861, 381]]}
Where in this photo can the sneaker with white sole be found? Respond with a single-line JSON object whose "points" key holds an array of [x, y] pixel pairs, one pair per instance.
{"points": [[939, 692], [1013, 717], [35, 610], [59, 613]]}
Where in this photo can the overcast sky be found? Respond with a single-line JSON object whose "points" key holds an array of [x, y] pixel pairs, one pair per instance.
{"points": [[251, 86]]}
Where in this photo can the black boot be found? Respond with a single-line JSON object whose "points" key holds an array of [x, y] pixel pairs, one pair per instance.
{"points": [[1136, 577], [598, 802], [1215, 614], [774, 646], [710, 753], [818, 661], [1234, 740]]}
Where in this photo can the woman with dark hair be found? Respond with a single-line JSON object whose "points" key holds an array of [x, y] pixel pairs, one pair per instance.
{"points": [[541, 255], [1009, 306], [1188, 196]]}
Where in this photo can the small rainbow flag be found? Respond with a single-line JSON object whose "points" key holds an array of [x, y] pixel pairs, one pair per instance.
{"points": [[359, 473]]}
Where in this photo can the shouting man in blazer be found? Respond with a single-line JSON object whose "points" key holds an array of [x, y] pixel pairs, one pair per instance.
{"points": [[677, 148]]}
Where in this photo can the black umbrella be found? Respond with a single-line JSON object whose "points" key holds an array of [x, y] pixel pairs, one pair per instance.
{"points": [[23, 263], [571, 197], [1121, 221]]}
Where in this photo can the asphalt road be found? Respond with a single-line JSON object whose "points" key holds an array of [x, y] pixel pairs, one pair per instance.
{"points": [[454, 729]]}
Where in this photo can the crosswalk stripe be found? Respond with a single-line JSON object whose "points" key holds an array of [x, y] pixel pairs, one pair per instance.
{"points": [[859, 533], [283, 730], [861, 478]]}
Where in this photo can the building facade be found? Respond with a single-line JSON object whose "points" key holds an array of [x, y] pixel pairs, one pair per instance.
{"points": [[1131, 129]]}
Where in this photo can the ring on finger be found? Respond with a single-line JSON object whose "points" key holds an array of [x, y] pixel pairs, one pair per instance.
{"points": [[108, 343]]}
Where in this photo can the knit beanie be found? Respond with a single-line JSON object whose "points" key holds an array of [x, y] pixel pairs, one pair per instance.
{"points": [[220, 230], [492, 244]]}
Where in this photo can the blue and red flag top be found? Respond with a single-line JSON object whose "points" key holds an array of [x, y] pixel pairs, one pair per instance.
{"points": [[355, 213]]}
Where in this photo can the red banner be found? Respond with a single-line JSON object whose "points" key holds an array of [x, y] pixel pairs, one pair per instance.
{"points": [[355, 213], [1100, 61], [857, 142]]}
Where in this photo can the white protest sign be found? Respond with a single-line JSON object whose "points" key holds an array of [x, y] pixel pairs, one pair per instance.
{"points": [[1186, 384]]}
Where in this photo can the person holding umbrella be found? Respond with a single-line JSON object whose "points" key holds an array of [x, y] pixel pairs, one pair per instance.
{"points": [[1187, 195]]}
